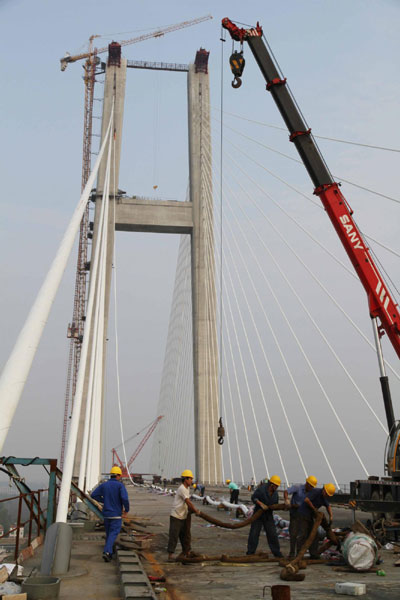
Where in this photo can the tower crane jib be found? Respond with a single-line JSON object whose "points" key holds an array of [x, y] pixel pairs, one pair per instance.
{"points": [[154, 34]]}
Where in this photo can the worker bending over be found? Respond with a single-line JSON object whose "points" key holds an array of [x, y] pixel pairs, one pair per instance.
{"points": [[267, 494], [180, 518], [307, 512], [114, 497], [234, 489], [298, 493]]}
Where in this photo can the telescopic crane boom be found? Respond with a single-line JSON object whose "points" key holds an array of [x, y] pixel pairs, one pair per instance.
{"points": [[158, 33], [381, 304]]}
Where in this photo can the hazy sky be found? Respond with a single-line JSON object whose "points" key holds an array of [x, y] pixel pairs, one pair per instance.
{"points": [[341, 59]]}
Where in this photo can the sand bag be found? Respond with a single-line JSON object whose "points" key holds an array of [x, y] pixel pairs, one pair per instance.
{"points": [[359, 551]]}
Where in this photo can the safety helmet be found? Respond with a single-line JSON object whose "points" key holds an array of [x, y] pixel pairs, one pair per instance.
{"points": [[275, 479], [312, 480], [227, 481], [187, 473], [115, 470], [329, 488]]}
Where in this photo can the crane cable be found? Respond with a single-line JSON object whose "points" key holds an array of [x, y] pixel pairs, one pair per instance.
{"points": [[221, 431]]}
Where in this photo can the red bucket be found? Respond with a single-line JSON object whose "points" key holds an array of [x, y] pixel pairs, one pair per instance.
{"points": [[280, 592]]}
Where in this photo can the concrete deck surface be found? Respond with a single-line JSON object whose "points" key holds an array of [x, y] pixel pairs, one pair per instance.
{"points": [[91, 578], [247, 581]]}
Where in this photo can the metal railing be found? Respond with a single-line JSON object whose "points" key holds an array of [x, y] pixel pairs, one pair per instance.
{"points": [[33, 522]]}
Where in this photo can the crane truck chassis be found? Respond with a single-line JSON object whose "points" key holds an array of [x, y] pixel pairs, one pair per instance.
{"points": [[377, 495]]}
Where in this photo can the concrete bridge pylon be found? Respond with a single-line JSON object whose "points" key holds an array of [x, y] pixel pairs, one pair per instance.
{"points": [[194, 218]]}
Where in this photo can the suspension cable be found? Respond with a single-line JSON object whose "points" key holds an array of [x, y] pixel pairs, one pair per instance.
{"points": [[397, 375], [321, 137]]}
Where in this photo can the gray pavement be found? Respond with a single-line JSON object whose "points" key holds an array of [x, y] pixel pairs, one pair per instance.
{"points": [[91, 578], [218, 580]]}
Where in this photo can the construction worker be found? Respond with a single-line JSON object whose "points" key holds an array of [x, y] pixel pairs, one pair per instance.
{"points": [[200, 488], [114, 497], [234, 489], [180, 517], [307, 512], [267, 494], [298, 493]]}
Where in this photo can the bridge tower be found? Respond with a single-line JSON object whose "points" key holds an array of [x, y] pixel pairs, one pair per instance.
{"points": [[134, 214], [205, 372]]}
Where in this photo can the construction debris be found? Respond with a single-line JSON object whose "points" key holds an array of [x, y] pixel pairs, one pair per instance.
{"points": [[351, 589]]}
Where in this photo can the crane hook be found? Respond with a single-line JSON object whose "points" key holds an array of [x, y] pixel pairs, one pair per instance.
{"points": [[237, 82], [220, 432], [237, 63]]}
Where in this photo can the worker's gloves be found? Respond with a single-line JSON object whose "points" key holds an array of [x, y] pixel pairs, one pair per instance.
{"points": [[287, 503]]}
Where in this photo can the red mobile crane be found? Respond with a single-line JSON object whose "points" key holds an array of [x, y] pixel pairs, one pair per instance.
{"points": [[376, 494], [116, 459]]}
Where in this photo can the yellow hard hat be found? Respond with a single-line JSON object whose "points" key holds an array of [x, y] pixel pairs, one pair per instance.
{"points": [[227, 481], [187, 473], [329, 488], [275, 479], [312, 480], [115, 470]]}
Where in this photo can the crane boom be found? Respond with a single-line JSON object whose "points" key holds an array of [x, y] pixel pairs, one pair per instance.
{"points": [[381, 304], [136, 452], [158, 33]]}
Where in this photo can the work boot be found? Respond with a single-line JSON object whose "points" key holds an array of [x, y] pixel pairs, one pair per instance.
{"points": [[192, 554], [107, 557], [181, 556]]}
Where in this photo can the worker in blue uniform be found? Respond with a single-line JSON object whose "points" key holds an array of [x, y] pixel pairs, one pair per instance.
{"points": [[267, 494], [114, 497], [308, 510], [298, 493]]}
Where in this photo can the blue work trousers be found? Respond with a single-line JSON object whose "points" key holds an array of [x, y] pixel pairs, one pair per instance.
{"points": [[112, 527], [270, 531]]}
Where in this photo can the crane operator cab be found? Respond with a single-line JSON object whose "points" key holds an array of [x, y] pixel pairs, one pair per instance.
{"points": [[392, 453]]}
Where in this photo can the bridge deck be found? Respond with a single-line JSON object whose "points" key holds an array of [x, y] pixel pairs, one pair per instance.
{"points": [[91, 578]]}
